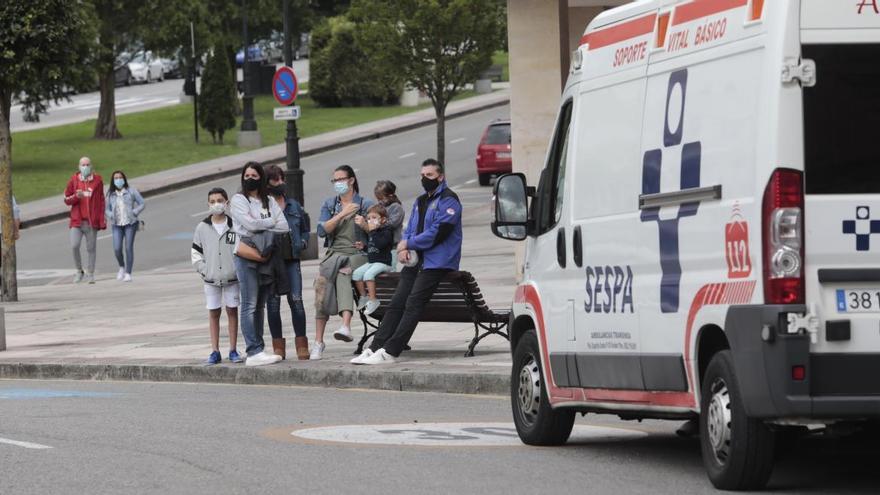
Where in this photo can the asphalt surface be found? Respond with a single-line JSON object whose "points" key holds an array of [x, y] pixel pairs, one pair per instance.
{"points": [[86, 437], [44, 254], [129, 99]]}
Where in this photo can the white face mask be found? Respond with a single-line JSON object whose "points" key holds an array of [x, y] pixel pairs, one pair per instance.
{"points": [[373, 221], [217, 208]]}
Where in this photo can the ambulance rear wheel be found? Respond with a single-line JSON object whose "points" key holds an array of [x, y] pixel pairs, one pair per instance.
{"points": [[738, 451], [536, 422]]}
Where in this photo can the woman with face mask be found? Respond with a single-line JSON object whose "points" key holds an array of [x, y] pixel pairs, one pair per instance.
{"points": [[346, 243], [124, 206], [252, 212]]}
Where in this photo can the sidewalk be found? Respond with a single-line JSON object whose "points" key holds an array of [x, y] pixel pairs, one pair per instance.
{"points": [[155, 329], [52, 208]]}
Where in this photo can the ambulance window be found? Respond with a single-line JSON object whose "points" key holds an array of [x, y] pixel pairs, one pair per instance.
{"points": [[552, 186], [841, 120]]}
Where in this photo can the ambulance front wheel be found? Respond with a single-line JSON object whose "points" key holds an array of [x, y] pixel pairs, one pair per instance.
{"points": [[738, 451], [536, 422]]}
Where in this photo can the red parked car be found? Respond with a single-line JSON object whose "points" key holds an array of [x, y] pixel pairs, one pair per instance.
{"points": [[493, 153]]}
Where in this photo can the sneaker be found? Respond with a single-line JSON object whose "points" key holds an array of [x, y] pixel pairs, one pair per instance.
{"points": [[120, 274], [362, 302], [127, 277], [78, 277], [343, 334], [372, 306], [379, 357], [262, 358], [90, 278], [234, 357], [360, 359], [214, 358], [317, 351]]}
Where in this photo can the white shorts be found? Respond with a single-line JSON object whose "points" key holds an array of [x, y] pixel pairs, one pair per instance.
{"points": [[217, 297]]}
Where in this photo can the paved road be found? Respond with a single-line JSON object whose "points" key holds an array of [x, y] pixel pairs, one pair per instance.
{"points": [[129, 99], [44, 253], [82, 437]]}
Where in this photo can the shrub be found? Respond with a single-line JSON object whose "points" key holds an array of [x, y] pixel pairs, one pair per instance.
{"points": [[217, 102]]}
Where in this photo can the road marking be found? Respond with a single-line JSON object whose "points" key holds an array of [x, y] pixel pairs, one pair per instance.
{"points": [[45, 273], [27, 445], [408, 155], [105, 236], [457, 140], [451, 434], [471, 181]]}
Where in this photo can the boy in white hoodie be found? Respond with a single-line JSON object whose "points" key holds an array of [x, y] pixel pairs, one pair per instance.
{"points": [[212, 251]]}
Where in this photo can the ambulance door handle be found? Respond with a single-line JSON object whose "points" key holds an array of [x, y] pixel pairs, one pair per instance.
{"points": [[560, 246], [577, 247]]}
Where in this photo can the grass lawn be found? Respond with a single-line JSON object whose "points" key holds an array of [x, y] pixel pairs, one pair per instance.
{"points": [[501, 58], [43, 160]]}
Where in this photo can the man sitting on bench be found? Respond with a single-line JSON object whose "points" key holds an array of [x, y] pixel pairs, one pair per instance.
{"points": [[434, 233]]}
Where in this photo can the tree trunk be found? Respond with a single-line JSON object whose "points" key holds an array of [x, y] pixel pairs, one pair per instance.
{"points": [[440, 112], [105, 127], [7, 250]]}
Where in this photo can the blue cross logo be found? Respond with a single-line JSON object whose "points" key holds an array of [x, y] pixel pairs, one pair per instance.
{"points": [[670, 263], [862, 227]]}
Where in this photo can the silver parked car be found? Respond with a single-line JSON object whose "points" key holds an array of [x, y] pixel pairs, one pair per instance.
{"points": [[146, 68]]}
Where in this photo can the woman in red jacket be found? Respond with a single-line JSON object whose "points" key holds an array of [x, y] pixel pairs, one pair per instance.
{"points": [[85, 196]]}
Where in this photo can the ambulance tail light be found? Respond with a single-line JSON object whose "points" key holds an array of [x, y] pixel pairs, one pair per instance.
{"points": [[757, 10], [783, 240]]}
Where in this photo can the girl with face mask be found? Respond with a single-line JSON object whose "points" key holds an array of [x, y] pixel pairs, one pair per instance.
{"points": [[124, 206], [338, 224]]}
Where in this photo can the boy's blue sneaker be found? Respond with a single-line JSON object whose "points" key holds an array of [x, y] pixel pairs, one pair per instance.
{"points": [[214, 358], [234, 357]]}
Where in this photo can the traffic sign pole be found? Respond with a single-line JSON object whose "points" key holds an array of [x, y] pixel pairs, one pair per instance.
{"points": [[294, 174]]}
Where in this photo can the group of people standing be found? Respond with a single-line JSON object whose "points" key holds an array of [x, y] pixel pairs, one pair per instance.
{"points": [[248, 253], [91, 210]]}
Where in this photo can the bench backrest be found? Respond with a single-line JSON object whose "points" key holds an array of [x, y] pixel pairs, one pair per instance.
{"points": [[449, 302]]}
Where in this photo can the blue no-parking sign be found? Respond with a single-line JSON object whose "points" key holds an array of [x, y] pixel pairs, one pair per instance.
{"points": [[284, 86]]}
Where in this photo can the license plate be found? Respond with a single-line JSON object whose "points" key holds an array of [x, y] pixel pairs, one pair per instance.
{"points": [[502, 154], [858, 300]]}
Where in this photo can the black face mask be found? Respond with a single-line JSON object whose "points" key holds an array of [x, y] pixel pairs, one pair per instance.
{"points": [[430, 184], [279, 190], [251, 184]]}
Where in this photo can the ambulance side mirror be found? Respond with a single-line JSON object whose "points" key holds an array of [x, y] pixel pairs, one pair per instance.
{"points": [[511, 201]]}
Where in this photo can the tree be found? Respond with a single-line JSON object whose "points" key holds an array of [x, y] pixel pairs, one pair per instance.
{"points": [[44, 52], [438, 46], [217, 101], [341, 74]]}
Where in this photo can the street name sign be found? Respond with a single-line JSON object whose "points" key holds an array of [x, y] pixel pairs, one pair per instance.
{"points": [[287, 113]]}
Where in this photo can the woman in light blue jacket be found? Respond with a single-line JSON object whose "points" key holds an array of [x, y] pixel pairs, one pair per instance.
{"points": [[124, 205]]}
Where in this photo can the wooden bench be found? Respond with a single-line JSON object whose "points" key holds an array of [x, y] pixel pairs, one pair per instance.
{"points": [[494, 73], [456, 300]]}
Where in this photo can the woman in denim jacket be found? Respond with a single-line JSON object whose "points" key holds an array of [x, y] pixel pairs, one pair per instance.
{"points": [[123, 206], [299, 237], [342, 237]]}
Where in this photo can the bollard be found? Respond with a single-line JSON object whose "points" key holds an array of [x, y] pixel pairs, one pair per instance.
{"points": [[2, 328]]}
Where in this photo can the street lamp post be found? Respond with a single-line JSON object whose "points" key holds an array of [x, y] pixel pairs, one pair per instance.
{"points": [[248, 135]]}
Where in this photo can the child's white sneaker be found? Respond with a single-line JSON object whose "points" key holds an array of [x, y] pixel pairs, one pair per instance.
{"points": [[343, 334], [372, 306], [362, 302]]}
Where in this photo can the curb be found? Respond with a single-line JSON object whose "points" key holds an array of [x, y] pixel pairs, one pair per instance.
{"points": [[208, 177], [398, 381]]}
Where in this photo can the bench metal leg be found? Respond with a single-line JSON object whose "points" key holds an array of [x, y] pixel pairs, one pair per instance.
{"points": [[492, 328], [367, 333]]}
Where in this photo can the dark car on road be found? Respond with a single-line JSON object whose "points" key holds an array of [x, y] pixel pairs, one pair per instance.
{"points": [[493, 153]]}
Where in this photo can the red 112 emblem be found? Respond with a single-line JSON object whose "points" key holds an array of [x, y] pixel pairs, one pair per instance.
{"points": [[736, 247]]}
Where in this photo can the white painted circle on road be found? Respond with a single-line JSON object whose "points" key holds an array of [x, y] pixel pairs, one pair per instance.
{"points": [[450, 434]]}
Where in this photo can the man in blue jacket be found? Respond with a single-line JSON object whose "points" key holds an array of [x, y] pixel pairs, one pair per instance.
{"points": [[434, 234]]}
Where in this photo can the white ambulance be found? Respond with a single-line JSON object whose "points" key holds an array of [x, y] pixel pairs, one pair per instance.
{"points": [[701, 241]]}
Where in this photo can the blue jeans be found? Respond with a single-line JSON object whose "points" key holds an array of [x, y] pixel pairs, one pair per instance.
{"points": [[124, 233], [294, 300], [369, 271], [250, 311]]}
